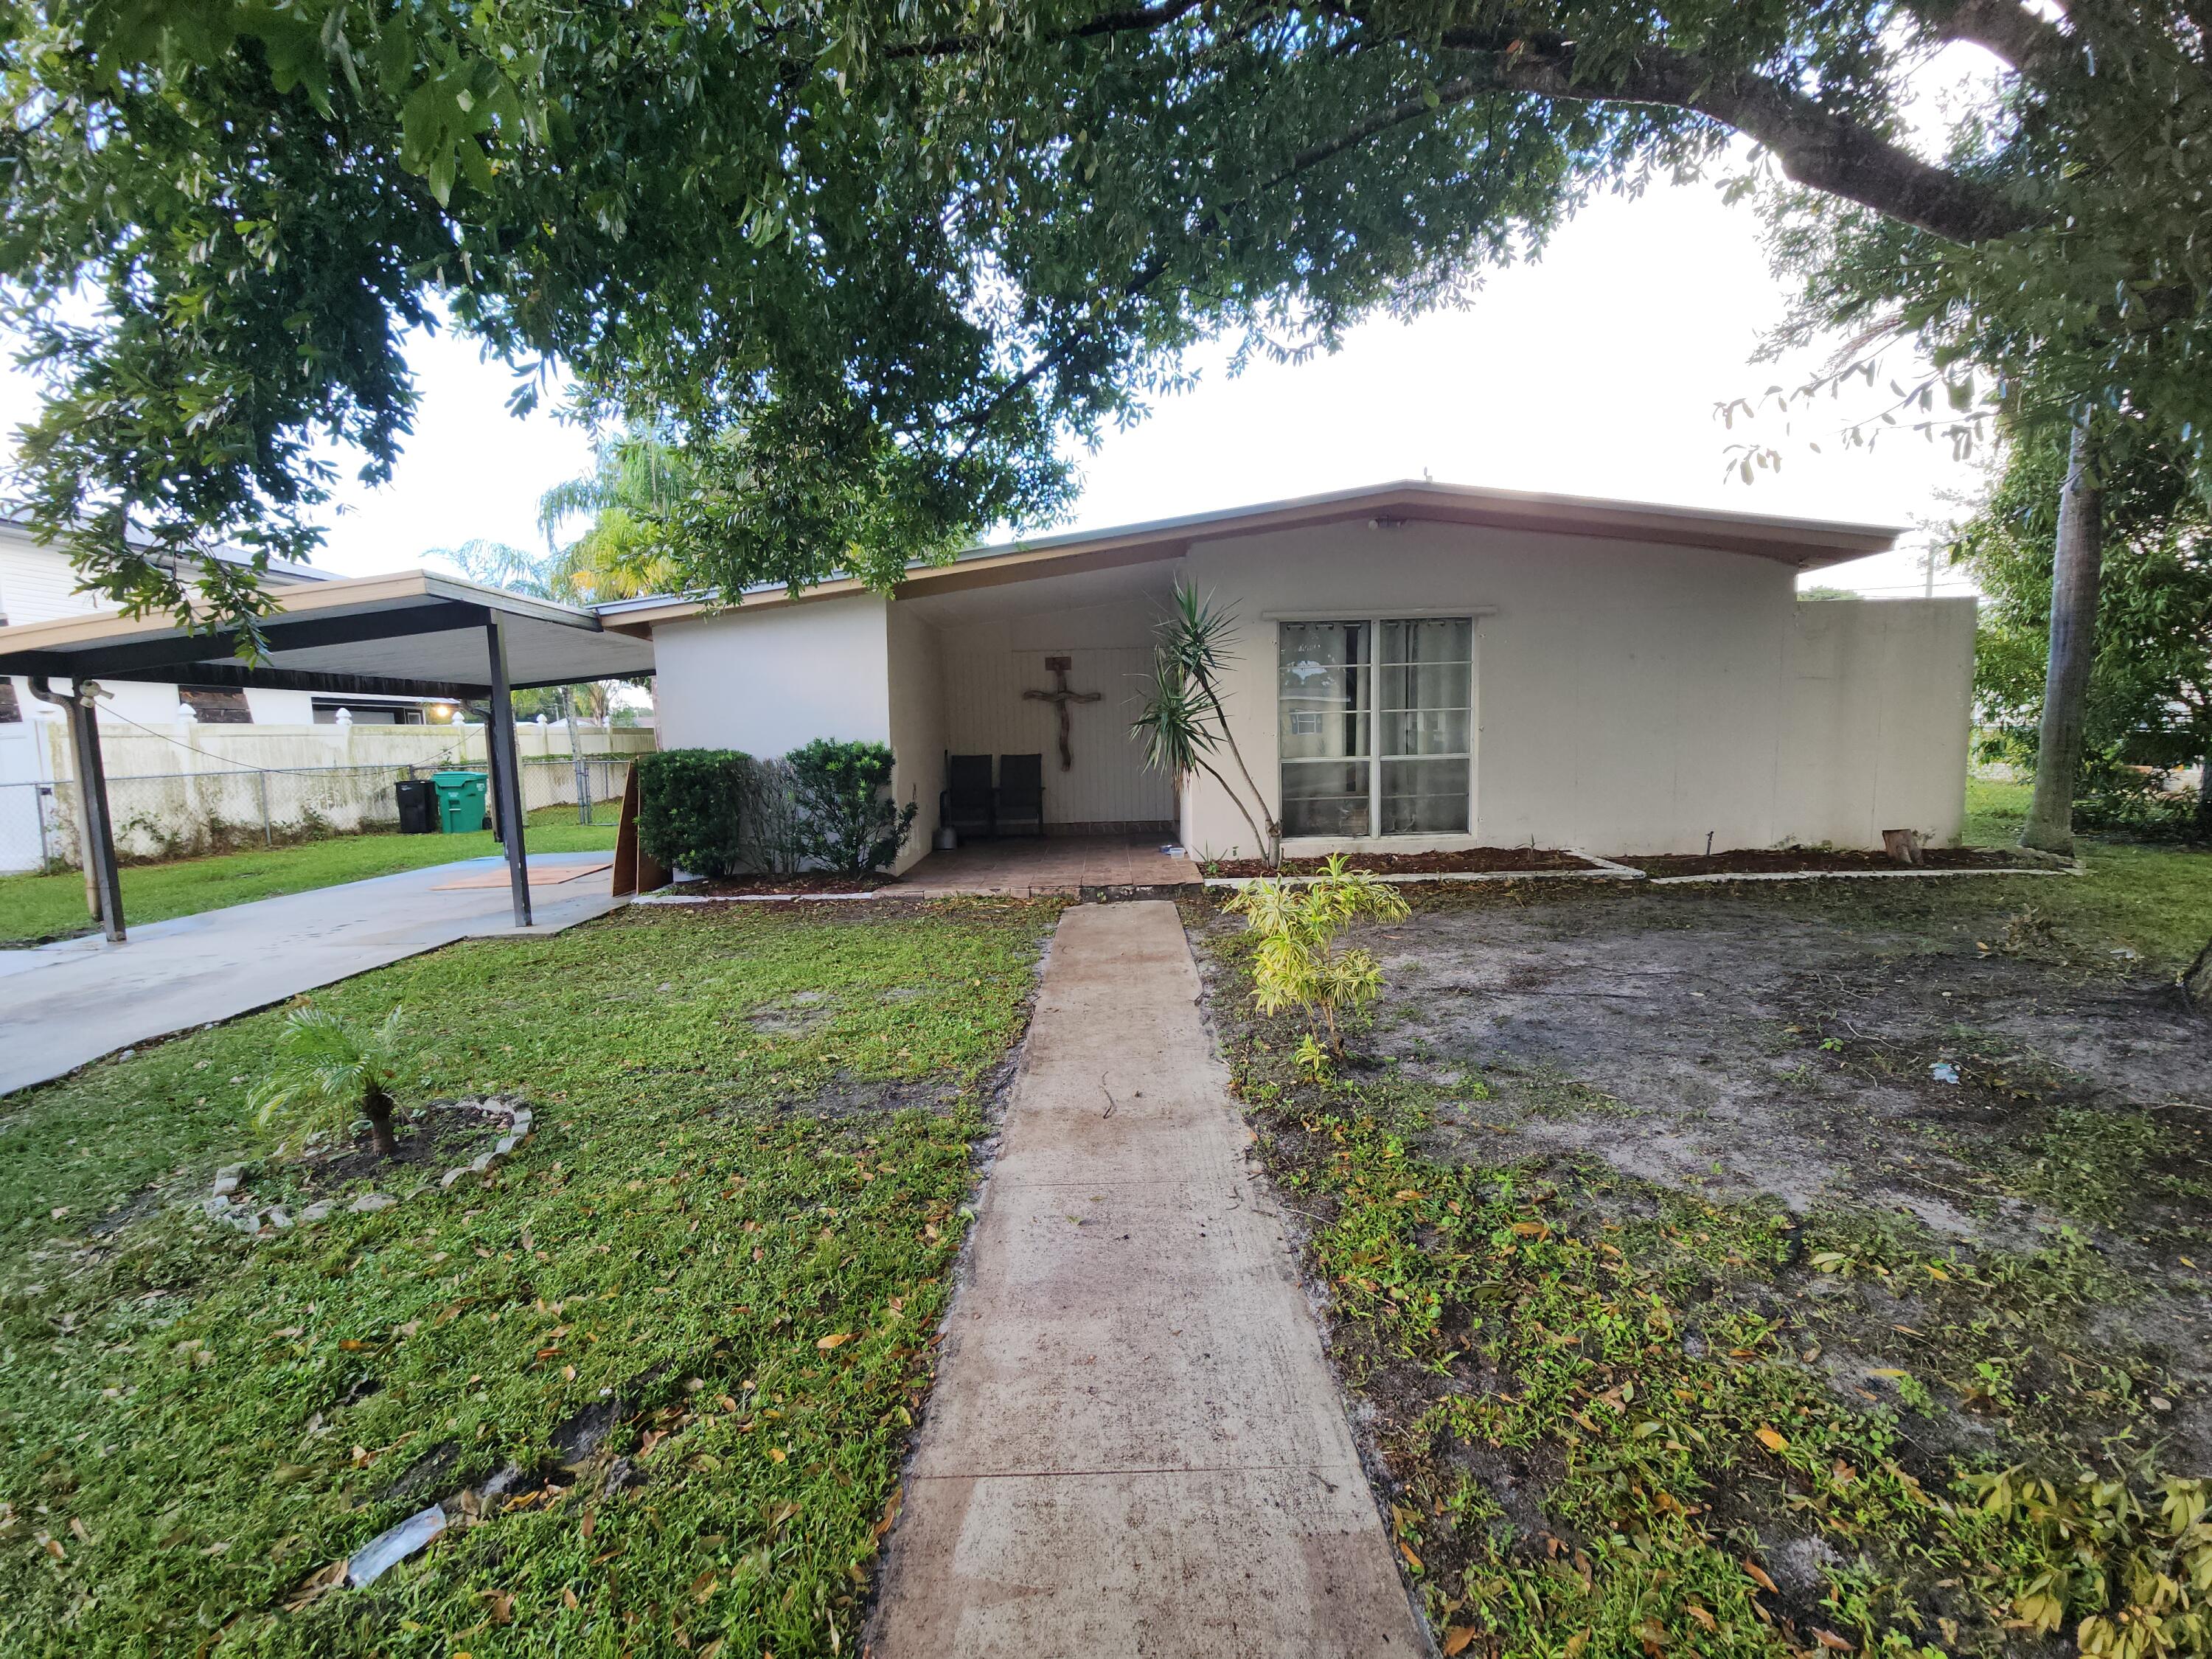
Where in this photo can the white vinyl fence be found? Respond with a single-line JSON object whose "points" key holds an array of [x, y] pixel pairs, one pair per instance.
{"points": [[161, 816]]}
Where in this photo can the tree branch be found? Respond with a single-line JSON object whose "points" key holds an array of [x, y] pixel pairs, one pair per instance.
{"points": [[1137, 20], [1815, 146], [2033, 45]]}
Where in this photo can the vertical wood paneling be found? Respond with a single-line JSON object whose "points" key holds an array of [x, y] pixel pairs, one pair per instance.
{"points": [[985, 713]]}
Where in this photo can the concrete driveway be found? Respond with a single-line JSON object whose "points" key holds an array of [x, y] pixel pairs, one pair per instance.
{"points": [[62, 1004]]}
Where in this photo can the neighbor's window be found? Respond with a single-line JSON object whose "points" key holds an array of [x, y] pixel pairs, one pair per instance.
{"points": [[1375, 717]]}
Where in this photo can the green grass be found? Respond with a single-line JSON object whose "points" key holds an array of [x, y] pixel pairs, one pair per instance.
{"points": [[2155, 900], [34, 908], [193, 1426]]}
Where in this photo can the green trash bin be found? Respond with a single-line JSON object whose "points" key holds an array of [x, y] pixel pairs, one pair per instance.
{"points": [[461, 801]]}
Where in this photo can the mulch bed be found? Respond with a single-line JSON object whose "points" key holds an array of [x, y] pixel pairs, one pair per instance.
{"points": [[1473, 860], [801, 881], [1785, 861]]}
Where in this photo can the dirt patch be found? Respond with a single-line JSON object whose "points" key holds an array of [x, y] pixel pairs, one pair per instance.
{"points": [[1473, 860], [802, 881], [1789, 860], [1889, 1171]]}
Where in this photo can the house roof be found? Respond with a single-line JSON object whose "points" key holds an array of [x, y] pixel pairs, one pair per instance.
{"points": [[413, 633], [1801, 544], [275, 573]]}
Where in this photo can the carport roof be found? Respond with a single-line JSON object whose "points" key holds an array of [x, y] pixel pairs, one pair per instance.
{"points": [[415, 634]]}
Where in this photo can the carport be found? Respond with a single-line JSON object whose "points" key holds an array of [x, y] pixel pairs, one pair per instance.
{"points": [[414, 635]]}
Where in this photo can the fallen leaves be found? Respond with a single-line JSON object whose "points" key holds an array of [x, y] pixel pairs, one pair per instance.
{"points": [[1757, 1574], [1457, 1638], [837, 1341], [1773, 1439]]}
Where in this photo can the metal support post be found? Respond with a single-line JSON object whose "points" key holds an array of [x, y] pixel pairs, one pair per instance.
{"points": [[505, 775]]}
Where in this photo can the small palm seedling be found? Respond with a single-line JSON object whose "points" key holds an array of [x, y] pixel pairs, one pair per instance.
{"points": [[335, 1070], [1298, 962]]}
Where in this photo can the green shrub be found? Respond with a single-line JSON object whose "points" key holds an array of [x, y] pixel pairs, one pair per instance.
{"points": [[690, 809], [1297, 963], [847, 818]]}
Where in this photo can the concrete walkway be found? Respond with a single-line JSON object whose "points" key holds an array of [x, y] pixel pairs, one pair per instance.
{"points": [[62, 1004], [1135, 1445]]}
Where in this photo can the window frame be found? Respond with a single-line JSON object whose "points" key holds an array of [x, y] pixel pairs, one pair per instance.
{"points": [[1373, 622]]}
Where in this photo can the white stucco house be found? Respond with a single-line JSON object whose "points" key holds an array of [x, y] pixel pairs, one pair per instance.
{"points": [[1420, 666]]}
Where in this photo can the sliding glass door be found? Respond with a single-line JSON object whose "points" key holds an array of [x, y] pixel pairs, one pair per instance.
{"points": [[1375, 731]]}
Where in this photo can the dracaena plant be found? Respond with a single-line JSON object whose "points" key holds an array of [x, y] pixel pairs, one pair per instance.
{"points": [[1184, 723]]}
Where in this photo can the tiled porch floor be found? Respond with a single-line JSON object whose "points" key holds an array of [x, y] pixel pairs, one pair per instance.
{"points": [[1055, 863]]}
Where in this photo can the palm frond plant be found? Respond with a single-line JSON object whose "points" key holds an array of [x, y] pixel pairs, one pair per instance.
{"points": [[331, 1069], [1182, 720], [1298, 962]]}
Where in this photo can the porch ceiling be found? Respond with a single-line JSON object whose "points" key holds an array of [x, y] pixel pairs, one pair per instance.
{"points": [[1032, 594]]}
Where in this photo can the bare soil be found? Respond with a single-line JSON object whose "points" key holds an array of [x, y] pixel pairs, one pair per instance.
{"points": [[1740, 1048], [1780, 860], [799, 881], [1473, 860], [1785, 1054]]}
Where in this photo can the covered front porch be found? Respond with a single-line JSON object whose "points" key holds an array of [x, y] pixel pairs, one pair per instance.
{"points": [[1078, 865], [998, 686]]}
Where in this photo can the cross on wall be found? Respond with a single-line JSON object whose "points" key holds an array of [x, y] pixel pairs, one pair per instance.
{"points": [[1060, 697]]}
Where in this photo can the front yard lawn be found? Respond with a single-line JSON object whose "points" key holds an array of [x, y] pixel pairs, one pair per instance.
{"points": [[660, 1368], [1691, 1307], [34, 908]]}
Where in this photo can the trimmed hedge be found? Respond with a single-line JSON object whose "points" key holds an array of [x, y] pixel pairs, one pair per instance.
{"points": [[691, 807], [847, 818]]}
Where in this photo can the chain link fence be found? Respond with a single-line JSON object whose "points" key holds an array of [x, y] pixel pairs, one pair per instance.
{"points": [[164, 815]]}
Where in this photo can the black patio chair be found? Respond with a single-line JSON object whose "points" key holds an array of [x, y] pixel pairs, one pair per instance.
{"points": [[968, 802], [1021, 794]]}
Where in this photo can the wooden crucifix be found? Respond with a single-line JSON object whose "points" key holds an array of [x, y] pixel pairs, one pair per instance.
{"points": [[1061, 696]]}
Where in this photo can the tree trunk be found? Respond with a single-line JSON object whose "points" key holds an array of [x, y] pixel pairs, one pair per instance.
{"points": [[376, 1107], [2075, 566], [2197, 984], [2200, 826]]}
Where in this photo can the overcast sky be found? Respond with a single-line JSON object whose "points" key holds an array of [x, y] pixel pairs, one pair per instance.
{"points": [[1593, 372]]}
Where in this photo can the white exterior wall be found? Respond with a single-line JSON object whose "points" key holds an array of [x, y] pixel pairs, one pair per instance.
{"points": [[767, 681], [916, 679], [1880, 700], [988, 667], [1627, 697]]}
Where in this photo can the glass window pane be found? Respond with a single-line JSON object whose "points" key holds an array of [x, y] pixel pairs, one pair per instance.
{"points": [[1327, 731], [1425, 797], [1325, 797], [1425, 731]]}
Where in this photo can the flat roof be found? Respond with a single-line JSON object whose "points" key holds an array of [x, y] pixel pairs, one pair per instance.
{"points": [[412, 634], [1801, 544]]}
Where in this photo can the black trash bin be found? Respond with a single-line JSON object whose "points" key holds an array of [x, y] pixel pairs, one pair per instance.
{"points": [[418, 806]]}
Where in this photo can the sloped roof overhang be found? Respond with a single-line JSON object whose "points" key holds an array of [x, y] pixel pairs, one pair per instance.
{"points": [[1801, 544]]}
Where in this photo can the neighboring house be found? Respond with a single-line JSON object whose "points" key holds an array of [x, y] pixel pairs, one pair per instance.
{"points": [[1420, 667], [37, 584]]}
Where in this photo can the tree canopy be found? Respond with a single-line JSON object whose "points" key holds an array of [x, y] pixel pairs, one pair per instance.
{"points": [[2149, 699], [874, 267]]}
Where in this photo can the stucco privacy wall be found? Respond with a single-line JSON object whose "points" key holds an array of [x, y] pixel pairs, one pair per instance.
{"points": [[988, 665], [1628, 696], [1880, 695], [768, 680], [917, 725]]}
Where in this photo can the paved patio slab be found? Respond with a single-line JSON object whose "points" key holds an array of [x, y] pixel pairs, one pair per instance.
{"points": [[1022, 865], [63, 1005], [1135, 1445]]}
